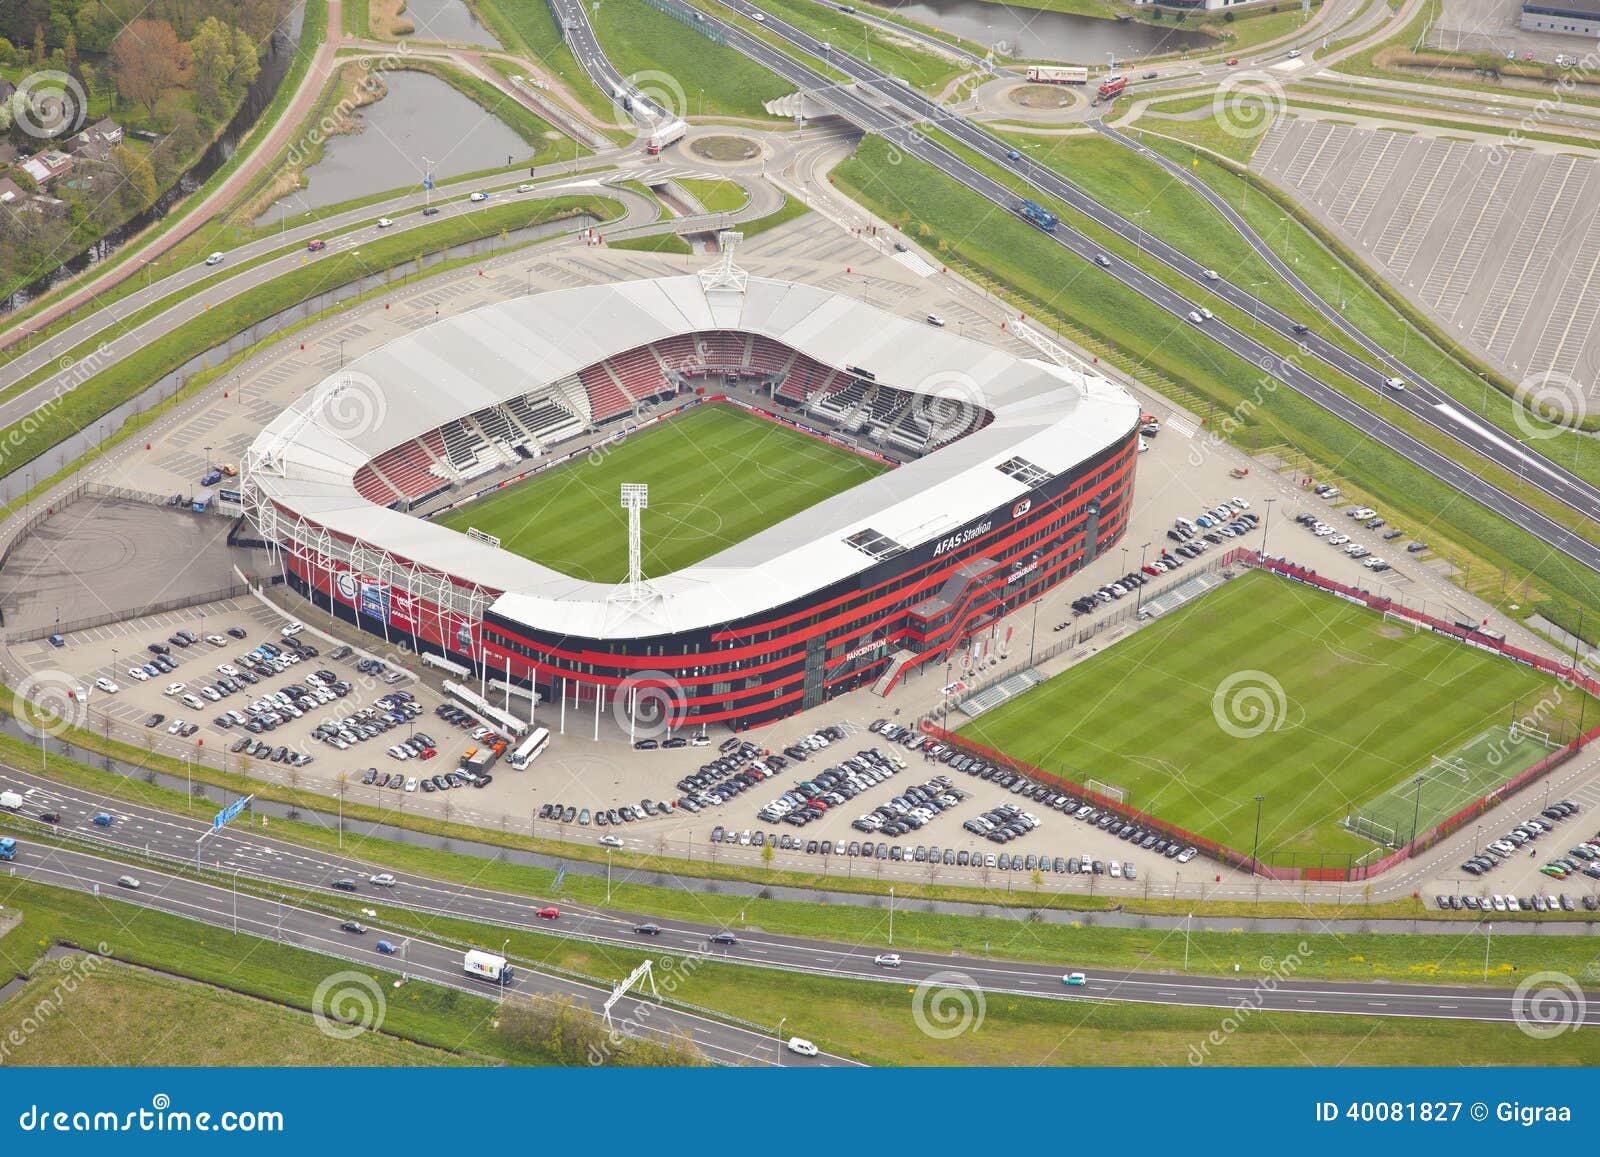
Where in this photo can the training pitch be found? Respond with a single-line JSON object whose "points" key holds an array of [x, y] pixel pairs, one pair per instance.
{"points": [[716, 474], [1266, 687]]}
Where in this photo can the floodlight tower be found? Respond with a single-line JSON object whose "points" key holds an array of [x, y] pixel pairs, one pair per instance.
{"points": [[635, 497]]}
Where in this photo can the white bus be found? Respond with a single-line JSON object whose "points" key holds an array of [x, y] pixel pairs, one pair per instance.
{"points": [[530, 748]]}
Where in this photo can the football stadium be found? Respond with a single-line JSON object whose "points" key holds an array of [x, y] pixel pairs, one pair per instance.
{"points": [[734, 496]]}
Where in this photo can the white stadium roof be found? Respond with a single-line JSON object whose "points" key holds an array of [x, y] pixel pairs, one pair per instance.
{"points": [[306, 459]]}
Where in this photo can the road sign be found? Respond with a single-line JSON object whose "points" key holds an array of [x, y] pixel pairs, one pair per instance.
{"points": [[230, 811]]}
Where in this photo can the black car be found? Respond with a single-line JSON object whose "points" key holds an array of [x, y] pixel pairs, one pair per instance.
{"points": [[723, 938], [430, 210], [345, 885], [647, 929], [50, 817], [236, 632], [155, 719]]}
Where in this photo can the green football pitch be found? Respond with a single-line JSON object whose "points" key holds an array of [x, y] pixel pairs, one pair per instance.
{"points": [[716, 474], [1265, 687]]}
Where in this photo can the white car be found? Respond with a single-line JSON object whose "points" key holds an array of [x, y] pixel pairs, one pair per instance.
{"points": [[887, 960], [411, 784], [936, 321], [107, 686], [1116, 869], [802, 1047], [138, 673], [174, 689], [212, 694], [1210, 275], [382, 880], [1194, 316], [525, 187], [478, 197], [128, 882], [175, 726], [1294, 54], [385, 222], [214, 259], [193, 703], [1361, 512], [292, 630], [610, 842], [1206, 313], [227, 669], [216, 640], [1398, 385], [398, 752], [1324, 531], [1339, 540]]}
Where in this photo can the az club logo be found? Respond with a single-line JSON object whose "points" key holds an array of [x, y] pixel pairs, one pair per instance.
{"points": [[1022, 508], [347, 586]]}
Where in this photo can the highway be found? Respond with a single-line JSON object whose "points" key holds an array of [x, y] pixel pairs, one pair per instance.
{"points": [[257, 857], [879, 103], [249, 914]]}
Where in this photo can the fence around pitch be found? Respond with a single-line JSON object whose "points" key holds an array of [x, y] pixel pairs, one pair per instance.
{"points": [[1573, 676]]}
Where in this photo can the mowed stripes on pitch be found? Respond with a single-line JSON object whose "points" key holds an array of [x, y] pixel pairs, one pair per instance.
{"points": [[716, 474], [1354, 704]]}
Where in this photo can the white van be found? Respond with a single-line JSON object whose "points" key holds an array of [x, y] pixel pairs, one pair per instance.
{"points": [[802, 1047]]}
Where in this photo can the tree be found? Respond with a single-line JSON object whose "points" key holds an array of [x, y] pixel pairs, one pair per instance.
{"points": [[146, 62], [767, 856], [1036, 878], [224, 63], [137, 190], [38, 45]]}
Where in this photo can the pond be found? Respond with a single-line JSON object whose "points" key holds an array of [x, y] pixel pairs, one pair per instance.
{"points": [[420, 117], [1033, 34], [447, 20]]}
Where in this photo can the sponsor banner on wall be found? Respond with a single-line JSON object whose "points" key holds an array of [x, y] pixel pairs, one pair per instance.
{"points": [[375, 600]]}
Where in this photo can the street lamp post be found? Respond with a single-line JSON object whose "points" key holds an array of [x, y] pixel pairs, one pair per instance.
{"points": [[1034, 633], [1187, 925], [1488, 939], [1416, 810], [777, 1039], [1138, 591], [891, 915], [1266, 522], [1255, 841]]}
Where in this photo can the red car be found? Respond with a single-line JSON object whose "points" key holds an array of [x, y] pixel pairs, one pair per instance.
{"points": [[1233, 61], [548, 913]]}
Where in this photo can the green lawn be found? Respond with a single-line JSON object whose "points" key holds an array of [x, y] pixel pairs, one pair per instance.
{"points": [[678, 67], [1264, 687], [717, 475], [717, 194]]}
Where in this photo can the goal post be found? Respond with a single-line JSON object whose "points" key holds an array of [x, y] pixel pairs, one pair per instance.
{"points": [[1108, 790], [1363, 825]]}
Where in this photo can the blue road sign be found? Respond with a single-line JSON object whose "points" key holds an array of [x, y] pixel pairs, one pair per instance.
{"points": [[230, 811]]}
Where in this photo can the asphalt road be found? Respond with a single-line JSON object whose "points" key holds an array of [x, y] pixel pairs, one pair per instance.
{"points": [[879, 103], [253, 855], [252, 915]]}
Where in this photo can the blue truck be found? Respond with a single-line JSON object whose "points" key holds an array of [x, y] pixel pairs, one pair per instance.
{"points": [[8, 848], [1037, 214]]}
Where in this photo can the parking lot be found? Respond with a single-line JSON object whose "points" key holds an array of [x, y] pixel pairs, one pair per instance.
{"points": [[1447, 222]]}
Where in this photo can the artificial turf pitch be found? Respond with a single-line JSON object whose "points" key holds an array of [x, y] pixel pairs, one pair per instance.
{"points": [[1266, 687], [716, 474]]}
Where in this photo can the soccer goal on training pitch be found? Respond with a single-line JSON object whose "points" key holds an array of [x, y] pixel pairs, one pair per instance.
{"points": [[1109, 790], [1363, 825]]}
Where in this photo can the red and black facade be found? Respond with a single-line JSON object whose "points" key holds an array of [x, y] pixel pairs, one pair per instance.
{"points": [[928, 600]]}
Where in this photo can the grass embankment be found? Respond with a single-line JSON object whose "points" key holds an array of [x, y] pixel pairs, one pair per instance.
{"points": [[1349, 705], [655, 243], [681, 69], [895, 54], [1170, 357], [717, 475], [118, 1015], [126, 377], [313, 32], [716, 194]]}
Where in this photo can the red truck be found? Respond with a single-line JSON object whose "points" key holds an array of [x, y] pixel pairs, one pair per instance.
{"points": [[1111, 88]]}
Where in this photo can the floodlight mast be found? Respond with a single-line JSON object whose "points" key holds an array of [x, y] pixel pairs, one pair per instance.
{"points": [[635, 497]]}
